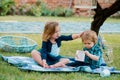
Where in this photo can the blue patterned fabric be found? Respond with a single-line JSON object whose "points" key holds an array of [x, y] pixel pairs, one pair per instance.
{"points": [[28, 64]]}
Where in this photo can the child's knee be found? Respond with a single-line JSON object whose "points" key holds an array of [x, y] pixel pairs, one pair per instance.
{"points": [[34, 52]]}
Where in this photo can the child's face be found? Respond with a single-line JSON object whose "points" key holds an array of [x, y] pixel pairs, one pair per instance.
{"points": [[88, 44], [57, 33]]}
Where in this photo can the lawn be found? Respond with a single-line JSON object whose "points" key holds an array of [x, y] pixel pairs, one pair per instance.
{"points": [[9, 72], [45, 19]]}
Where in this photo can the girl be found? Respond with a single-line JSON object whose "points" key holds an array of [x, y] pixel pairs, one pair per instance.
{"points": [[48, 56]]}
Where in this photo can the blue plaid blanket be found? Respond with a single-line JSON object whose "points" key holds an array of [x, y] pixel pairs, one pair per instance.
{"points": [[28, 64]]}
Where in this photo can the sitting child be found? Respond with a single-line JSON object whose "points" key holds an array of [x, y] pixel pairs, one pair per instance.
{"points": [[48, 55], [92, 51]]}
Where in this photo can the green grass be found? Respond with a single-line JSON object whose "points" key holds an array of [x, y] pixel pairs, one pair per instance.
{"points": [[45, 19], [9, 72]]}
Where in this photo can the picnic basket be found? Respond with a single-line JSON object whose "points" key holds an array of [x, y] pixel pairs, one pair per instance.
{"points": [[17, 44]]}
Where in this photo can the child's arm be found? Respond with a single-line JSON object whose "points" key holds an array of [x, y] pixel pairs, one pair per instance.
{"points": [[70, 37], [91, 56]]}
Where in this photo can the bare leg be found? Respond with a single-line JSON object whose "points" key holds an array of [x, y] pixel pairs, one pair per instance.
{"points": [[37, 57], [61, 63]]}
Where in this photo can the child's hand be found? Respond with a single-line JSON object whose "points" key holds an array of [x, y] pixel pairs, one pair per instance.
{"points": [[45, 65], [86, 53], [80, 34], [75, 36], [91, 56]]}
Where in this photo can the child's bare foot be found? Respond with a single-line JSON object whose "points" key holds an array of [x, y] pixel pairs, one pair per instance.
{"points": [[56, 65], [63, 65], [52, 66]]}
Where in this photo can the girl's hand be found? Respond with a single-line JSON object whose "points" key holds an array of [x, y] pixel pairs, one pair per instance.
{"points": [[75, 36], [80, 34], [45, 65]]}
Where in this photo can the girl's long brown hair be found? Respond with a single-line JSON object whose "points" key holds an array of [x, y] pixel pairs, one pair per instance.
{"points": [[49, 30]]}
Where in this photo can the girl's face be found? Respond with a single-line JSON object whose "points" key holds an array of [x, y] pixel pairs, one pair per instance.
{"points": [[57, 33], [88, 44]]}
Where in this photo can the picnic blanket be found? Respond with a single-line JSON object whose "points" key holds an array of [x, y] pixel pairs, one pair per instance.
{"points": [[28, 64]]}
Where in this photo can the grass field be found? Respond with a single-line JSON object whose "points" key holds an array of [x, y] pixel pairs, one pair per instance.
{"points": [[45, 19], [9, 72]]}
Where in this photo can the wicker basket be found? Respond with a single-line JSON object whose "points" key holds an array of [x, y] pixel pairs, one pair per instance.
{"points": [[17, 44]]}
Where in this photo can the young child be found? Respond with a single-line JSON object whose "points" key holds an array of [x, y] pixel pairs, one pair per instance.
{"points": [[48, 56], [93, 53]]}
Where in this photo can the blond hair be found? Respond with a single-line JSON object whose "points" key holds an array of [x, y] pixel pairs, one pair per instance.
{"points": [[49, 30], [89, 35]]}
